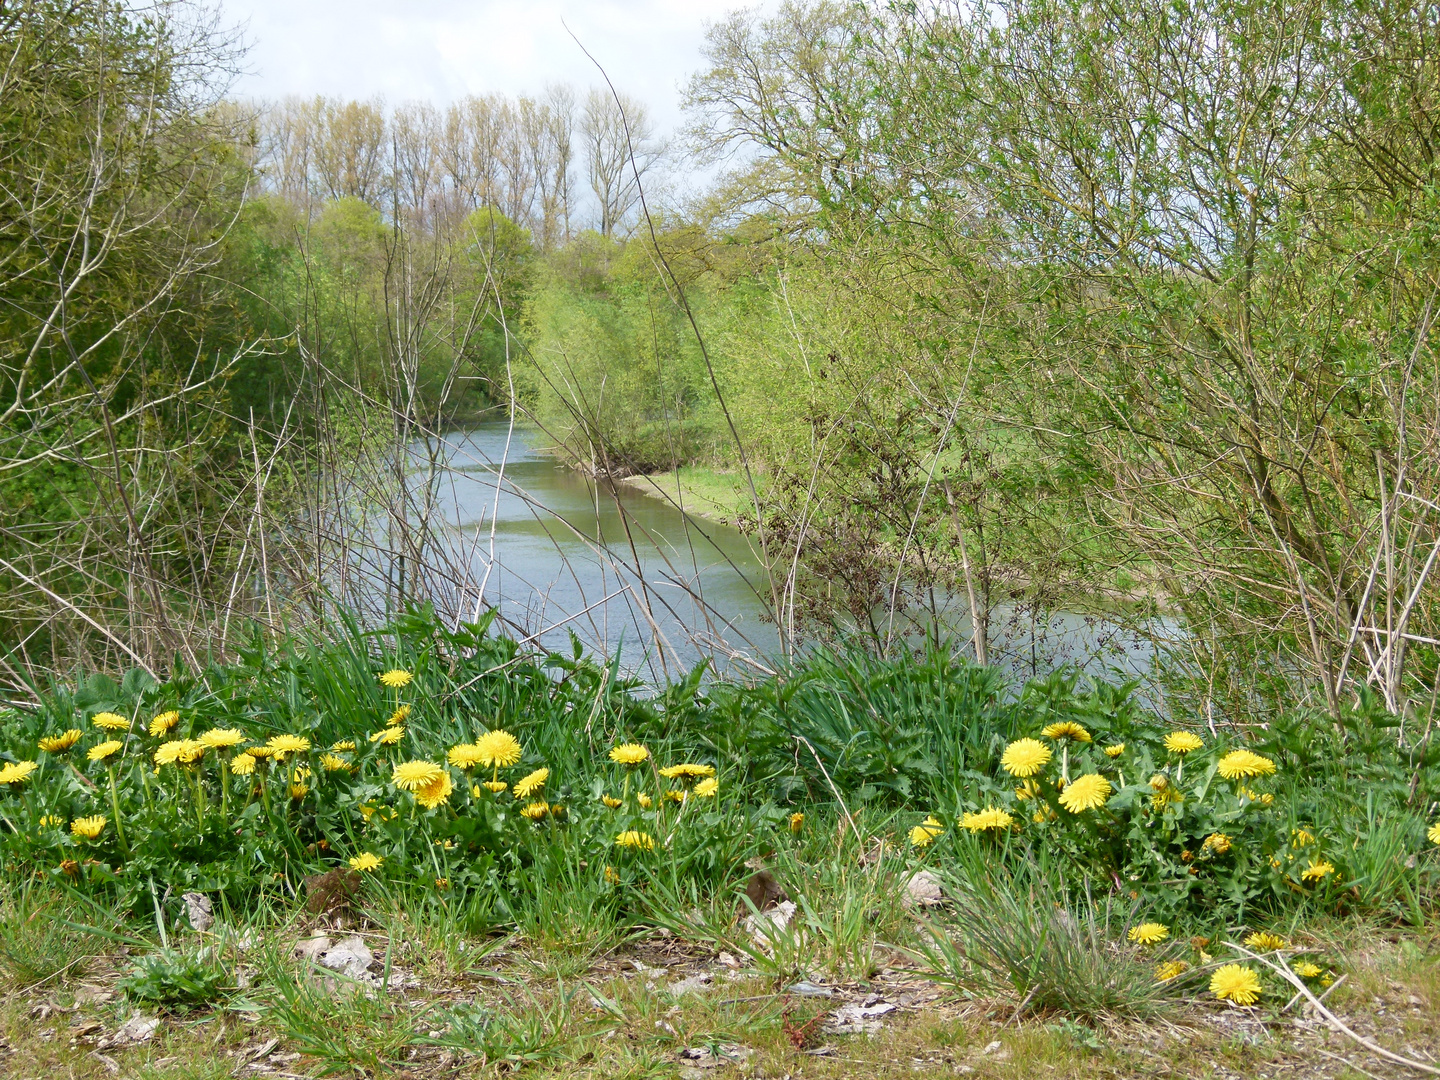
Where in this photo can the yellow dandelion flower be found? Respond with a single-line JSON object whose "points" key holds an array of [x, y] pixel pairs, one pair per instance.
{"points": [[179, 752], [343, 746], [924, 834], [1028, 790], [1115, 751], [496, 786], [388, 736], [528, 785], [299, 791], [414, 775], [333, 763], [260, 753], [88, 828], [436, 792], [466, 756], [1434, 833], [632, 838], [396, 678], [1318, 870], [797, 822], [1066, 729], [612, 876], [1171, 969], [242, 764], [399, 716], [674, 795], [687, 771], [707, 788], [1264, 941], [1043, 815], [1089, 792], [365, 862], [1183, 742], [1301, 837], [989, 818], [610, 801], [442, 883], [51, 821], [221, 738], [643, 799], [110, 721], [535, 811], [1237, 983], [1149, 933], [499, 749], [1025, 757], [1219, 843], [161, 725], [1239, 764], [1306, 970], [280, 745], [629, 754], [17, 772], [57, 744]]}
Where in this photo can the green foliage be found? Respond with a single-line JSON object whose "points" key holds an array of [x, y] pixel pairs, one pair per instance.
{"points": [[1015, 932], [1339, 825], [172, 979]]}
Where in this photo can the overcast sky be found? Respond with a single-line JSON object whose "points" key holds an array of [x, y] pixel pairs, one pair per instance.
{"points": [[438, 50]]}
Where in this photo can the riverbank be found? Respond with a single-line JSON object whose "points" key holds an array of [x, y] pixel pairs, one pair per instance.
{"points": [[706, 493]]}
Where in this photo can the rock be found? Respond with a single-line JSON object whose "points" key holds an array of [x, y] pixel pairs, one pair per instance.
{"points": [[199, 911], [312, 948], [729, 961], [694, 984], [763, 927], [923, 890], [137, 1029], [809, 989], [351, 958], [704, 1057], [856, 1019]]}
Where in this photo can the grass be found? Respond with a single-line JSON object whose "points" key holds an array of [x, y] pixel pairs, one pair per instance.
{"points": [[618, 1016], [704, 492], [548, 948]]}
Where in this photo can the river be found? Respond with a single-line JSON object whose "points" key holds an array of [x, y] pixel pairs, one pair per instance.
{"points": [[558, 553]]}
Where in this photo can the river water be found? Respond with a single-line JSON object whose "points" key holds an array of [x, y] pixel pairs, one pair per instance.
{"points": [[628, 573]]}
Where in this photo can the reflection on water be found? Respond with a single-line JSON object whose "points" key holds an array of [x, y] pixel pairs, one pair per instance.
{"points": [[566, 559], [555, 554]]}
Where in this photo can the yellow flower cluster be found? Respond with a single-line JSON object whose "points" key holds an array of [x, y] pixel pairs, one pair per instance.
{"points": [[16, 772], [57, 744], [634, 839], [1089, 792], [924, 834], [1025, 757], [1066, 729], [989, 818], [1149, 933], [1242, 764], [396, 678], [160, 726], [1182, 742], [1237, 983], [109, 721], [629, 754]]}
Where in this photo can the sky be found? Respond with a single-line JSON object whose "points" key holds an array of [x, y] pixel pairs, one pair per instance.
{"points": [[439, 50]]}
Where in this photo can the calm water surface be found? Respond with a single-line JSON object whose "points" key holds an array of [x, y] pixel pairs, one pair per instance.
{"points": [[556, 555]]}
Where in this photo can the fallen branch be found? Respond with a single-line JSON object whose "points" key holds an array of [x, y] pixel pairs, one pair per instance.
{"points": [[1281, 968]]}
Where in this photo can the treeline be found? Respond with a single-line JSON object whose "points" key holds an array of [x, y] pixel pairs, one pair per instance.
{"points": [[1126, 307], [1122, 308]]}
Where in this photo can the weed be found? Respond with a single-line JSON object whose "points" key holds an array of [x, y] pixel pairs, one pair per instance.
{"points": [[173, 979]]}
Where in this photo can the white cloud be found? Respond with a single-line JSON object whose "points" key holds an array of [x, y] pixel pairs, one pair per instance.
{"points": [[442, 49]]}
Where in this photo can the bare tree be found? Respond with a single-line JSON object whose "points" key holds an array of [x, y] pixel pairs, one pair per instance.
{"points": [[620, 148]]}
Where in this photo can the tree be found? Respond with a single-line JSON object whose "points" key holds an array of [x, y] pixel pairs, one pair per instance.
{"points": [[620, 148]]}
